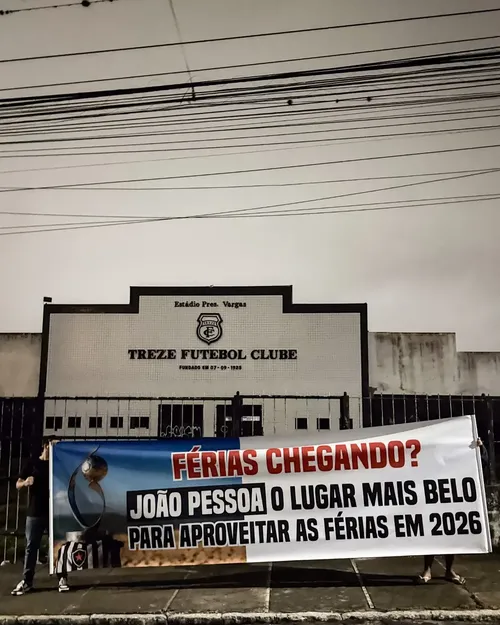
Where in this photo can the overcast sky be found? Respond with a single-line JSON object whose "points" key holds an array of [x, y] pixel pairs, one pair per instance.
{"points": [[419, 269]]}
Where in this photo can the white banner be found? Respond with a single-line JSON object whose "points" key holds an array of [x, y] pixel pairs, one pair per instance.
{"points": [[414, 489]]}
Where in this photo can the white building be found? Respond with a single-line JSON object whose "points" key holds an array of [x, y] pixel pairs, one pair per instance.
{"points": [[171, 361]]}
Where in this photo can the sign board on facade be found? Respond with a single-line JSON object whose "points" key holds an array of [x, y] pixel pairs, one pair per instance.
{"points": [[203, 342]]}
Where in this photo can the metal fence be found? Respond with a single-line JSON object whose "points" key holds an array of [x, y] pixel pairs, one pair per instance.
{"points": [[24, 421]]}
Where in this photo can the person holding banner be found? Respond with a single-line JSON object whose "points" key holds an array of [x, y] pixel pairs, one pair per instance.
{"points": [[35, 476], [450, 574]]}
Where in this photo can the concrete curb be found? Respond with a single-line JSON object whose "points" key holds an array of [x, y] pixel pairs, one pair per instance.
{"points": [[244, 618]]}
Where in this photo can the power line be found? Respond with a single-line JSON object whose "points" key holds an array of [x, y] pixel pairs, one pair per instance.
{"points": [[413, 104], [146, 120], [254, 170], [255, 64], [49, 151], [331, 105], [469, 78], [298, 144], [251, 186], [301, 211], [405, 63], [329, 211], [256, 35], [255, 209], [84, 3], [354, 208]]}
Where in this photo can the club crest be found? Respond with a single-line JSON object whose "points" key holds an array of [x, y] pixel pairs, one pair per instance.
{"points": [[79, 557], [209, 328]]}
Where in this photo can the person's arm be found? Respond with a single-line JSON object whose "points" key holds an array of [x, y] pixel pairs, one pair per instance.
{"points": [[25, 478], [484, 453], [484, 456]]}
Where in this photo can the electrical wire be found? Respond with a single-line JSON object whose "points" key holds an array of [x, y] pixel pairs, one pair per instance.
{"points": [[330, 211], [399, 20], [5, 12], [405, 63], [34, 152], [384, 101], [255, 186], [253, 170], [288, 145], [254, 64], [255, 209], [260, 126], [69, 115]]}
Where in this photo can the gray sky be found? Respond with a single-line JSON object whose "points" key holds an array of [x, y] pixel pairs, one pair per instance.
{"points": [[419, 269]]}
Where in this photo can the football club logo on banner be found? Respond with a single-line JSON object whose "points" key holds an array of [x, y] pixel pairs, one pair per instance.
{"points": [[209, 328], [78, 558]]}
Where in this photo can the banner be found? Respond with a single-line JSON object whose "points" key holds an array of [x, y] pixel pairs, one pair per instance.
{"points": [[412, 489]]}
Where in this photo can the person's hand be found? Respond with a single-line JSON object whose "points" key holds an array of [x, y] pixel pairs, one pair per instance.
{"points": [[29, 481], [479, 442]]}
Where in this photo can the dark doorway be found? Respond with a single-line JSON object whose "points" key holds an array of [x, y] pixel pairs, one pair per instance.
{"points": [[180, 421], [251, 420]]}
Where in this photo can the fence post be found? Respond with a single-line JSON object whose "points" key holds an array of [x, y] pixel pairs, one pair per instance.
{"points": [[491, 441], [236, 410], [345, 419]]}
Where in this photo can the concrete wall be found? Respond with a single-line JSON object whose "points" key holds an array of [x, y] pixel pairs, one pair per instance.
{"points": [[412, 363], [479, 372], [429, 364], [19, 364]]}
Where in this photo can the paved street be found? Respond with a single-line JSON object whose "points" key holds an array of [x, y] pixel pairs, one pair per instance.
{"points": [[324, 586]]}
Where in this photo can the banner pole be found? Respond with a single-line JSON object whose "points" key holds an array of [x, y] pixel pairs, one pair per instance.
{"points": [[51, 509], [475, 433]]}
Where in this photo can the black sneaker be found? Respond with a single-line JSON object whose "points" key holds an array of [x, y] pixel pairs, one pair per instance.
{"points": [[21, 589]]}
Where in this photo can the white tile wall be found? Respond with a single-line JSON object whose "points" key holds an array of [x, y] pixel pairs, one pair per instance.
{"points": [[88, 353]]}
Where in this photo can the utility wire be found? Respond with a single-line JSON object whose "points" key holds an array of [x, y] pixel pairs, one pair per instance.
{"points": [[120, 107], [287, 146], [255, 64], [477, 98], [382, 99], [329, 105], [255, 209], [405, 63], [84, 3], [254, 170], [143, 145], [331, 211], [340, 110], [301, 211], [252, 186], [400, 20]]}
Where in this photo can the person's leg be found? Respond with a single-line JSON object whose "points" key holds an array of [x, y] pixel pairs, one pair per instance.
{"points": [[427, 573], [62, 569], [63, 582], [450, 574], [43, 550], [449, 563], [34, 533]]}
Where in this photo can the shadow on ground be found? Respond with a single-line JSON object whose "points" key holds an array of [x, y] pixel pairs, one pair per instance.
{"points": [[281, 577]]}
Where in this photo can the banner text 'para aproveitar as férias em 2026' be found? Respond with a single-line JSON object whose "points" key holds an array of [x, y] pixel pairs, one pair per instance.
{"points": [[412, 489]]}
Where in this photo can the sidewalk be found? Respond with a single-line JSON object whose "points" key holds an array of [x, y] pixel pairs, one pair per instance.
{"points": [[366, 590]]}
